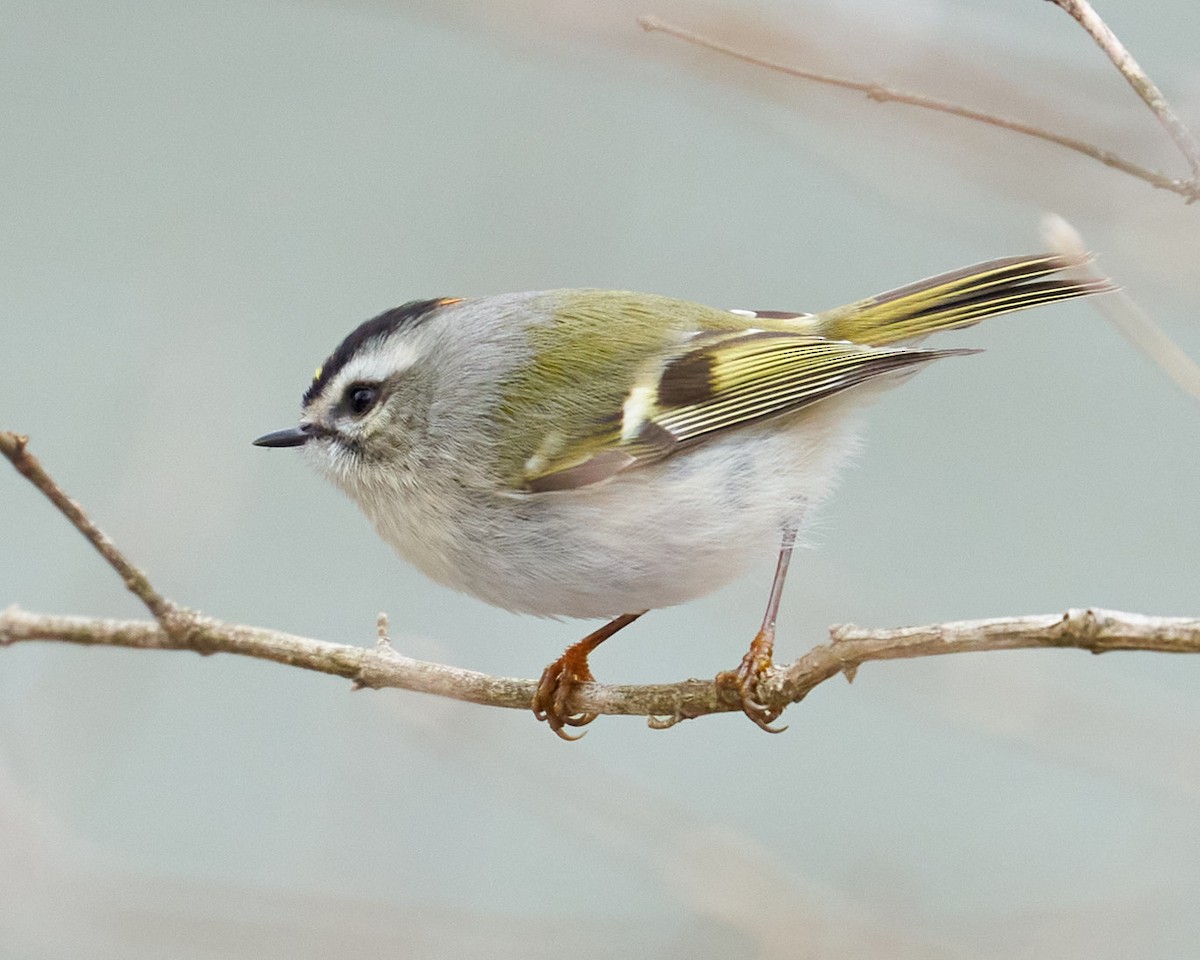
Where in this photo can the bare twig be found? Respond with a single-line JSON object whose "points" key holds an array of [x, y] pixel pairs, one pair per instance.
{"points": [[15, 447], [665, 704], [375, 666], [1189, 188], [1123, 60], [1098, 631]]}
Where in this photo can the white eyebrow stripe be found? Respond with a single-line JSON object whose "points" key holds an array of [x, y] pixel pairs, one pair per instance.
{"points": [[382, 362]]}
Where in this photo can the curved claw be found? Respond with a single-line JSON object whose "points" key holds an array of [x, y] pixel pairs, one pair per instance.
{"points": [[550, 703], [762, 716], [737, 686]]}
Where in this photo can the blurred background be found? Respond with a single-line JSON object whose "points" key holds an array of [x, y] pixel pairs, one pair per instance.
{"points": [[199, 200]]}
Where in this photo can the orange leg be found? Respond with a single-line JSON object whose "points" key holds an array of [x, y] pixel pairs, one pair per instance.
{"points": [[559, 680], [739, 684]]}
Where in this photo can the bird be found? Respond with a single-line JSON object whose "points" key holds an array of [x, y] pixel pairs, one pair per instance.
{"points": [[587, 453]]}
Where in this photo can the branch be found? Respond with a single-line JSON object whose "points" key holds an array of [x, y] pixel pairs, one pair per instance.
{"points": [[1189, 188], [13, 446], [1098, 631], [1131, 70], [378, 666], [177, 628]]}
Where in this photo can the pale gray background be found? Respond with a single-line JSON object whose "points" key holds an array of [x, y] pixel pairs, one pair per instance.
{"points": [[197, 201]]}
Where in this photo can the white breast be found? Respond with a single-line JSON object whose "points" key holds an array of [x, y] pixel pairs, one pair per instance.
{"points": [[660, 535]]}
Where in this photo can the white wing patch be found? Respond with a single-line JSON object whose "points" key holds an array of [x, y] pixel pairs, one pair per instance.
{"points": [[637, 409]]}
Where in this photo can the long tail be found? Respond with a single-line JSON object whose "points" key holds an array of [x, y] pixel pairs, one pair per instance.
{"points": [[958, 299]]}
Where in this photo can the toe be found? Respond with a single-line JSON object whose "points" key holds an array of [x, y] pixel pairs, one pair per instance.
{"points": [[551, 702], [738, 687]]}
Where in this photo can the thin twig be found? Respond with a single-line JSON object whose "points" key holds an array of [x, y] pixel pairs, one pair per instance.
{"points": [[1131, 70], [1097, 631], [1186, 188], [374, 666], [15, 447]]}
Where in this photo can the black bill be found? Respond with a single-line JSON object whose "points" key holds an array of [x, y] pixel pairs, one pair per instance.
{"points": [[292, 437]]}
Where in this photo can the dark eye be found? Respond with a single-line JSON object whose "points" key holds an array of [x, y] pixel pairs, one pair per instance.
{"points": [[361, 397]]}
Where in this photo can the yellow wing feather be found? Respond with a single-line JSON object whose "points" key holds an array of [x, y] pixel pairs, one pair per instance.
{"points": [[729, 372], [729, 381], [958, 299]]}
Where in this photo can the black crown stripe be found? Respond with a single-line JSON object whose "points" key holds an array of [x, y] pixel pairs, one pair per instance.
{"points": [[368, 332]]}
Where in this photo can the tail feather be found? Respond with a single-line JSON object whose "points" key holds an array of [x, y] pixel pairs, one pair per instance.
{"points": [[959, 299]]}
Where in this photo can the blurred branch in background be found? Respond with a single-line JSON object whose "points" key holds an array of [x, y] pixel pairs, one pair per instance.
{"points": [[933, 161], [1119, 309], [178, 628], [1082, 11]]}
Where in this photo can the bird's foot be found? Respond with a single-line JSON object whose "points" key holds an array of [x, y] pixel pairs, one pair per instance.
{"points": [[559, 682], [740, 685]]}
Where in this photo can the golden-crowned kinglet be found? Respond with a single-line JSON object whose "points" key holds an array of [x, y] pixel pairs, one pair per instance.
{"points": [[596, 453]]}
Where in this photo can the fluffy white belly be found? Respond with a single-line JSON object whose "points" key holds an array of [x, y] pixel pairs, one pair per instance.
{"points": [[659, 535]]}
